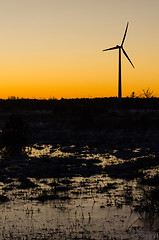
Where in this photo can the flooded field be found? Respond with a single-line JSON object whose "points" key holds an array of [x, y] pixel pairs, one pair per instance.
{"points": [[71, 192], [79, 169]]}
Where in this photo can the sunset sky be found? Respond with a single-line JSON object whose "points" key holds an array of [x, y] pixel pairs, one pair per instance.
{"points": [[53, 48]]}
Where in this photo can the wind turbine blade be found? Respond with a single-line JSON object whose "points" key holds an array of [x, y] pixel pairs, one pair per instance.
{"points": [[111, 48], [124, 34], [128, 57]]}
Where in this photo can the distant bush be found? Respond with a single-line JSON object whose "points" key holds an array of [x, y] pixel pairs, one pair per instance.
{"points": [[14, 135]]}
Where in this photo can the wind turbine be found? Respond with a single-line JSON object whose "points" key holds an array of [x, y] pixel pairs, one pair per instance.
{"points": [[120, 47]]}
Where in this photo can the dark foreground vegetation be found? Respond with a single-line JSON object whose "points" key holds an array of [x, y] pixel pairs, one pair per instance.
{"points": [[85, 131], [85, 121]]}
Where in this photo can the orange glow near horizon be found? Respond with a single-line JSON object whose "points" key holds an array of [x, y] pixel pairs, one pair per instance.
{"points": [[54, 48]]}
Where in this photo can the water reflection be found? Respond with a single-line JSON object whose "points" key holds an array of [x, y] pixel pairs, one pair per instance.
{"points": [[38, 151], [88, 204], [46, 150], [86, 215]]}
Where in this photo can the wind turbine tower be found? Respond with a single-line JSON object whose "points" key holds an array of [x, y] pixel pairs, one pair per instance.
{"points": [[120, 47]]}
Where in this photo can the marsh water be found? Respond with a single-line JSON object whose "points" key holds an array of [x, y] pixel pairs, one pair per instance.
{"points": [[78, 192]]}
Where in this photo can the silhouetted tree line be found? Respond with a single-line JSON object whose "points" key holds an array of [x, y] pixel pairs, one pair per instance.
{"points": [[65, 105]]}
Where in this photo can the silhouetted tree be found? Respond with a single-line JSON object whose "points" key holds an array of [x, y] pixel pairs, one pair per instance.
{"points": [[147, 93]]}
